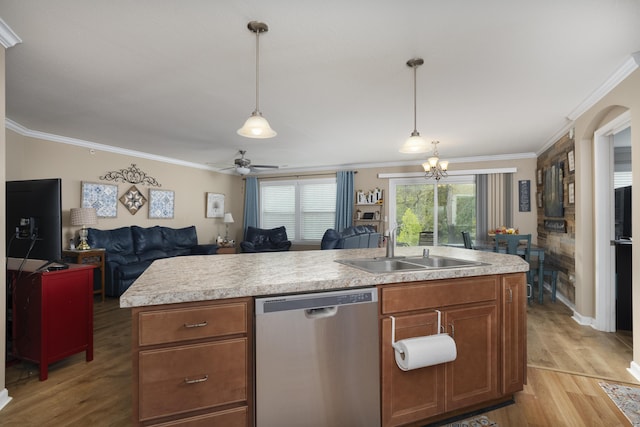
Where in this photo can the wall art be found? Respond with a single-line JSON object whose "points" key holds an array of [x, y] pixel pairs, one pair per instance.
{"points": [[215, 205], [132, 175], [161, 204], [133, 200], [553, 191], [571, 190], [524, 195], [572, 161], [102, 197]]}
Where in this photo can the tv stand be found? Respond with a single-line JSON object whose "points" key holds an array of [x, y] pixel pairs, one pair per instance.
{"points": [[52, 312]]}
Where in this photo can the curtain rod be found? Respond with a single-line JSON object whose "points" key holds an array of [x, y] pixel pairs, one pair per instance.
{"points": [[296, 176]]}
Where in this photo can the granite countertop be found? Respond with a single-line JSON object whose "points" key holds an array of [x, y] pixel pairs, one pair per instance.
{"points": [[212, 277]]}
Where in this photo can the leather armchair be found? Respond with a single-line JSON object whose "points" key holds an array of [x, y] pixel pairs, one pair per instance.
{"points": [[265, 240]]}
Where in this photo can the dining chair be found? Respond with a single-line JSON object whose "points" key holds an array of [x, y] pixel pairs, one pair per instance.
{"points": [[466, 238], [425, 238], [512, 242]]}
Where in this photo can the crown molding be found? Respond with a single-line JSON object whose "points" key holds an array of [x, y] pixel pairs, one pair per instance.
{"points": [[18, 128], [628, 67], [10, 124], [8, 38]]}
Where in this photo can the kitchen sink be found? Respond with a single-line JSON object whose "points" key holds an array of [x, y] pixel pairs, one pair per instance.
{"points": [[398, 264]]}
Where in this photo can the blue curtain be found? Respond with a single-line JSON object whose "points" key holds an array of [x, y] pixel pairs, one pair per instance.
{"points": [[250, 203], [344, 199]]}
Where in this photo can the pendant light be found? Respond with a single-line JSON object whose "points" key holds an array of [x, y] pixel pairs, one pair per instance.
{"points": [[257, 126], [415, 143], [434, 167]]}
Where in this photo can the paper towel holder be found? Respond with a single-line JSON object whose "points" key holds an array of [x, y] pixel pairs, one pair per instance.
{"points": [[393, 330]]}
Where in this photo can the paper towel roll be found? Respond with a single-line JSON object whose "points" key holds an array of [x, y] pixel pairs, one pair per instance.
{"points": [[414, 353]]}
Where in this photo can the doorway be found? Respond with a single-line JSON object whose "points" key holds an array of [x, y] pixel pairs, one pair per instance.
{"points": [[605, 256]]}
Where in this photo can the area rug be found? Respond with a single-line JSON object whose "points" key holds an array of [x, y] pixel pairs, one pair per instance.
{"points": [[625, 398], [480, 421]]}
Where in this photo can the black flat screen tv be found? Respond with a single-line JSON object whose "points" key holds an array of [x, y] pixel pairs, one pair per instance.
{"points": [[34, 219]]}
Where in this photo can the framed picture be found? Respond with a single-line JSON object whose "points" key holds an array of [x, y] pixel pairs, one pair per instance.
{"points": [[133, 200], [572, 161], [215, 205], [554, 191], [571, 190], [539, 176], [539, 199], [161, 204], [524, 195], [102, 197]]}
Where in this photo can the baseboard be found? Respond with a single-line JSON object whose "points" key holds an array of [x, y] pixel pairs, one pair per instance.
{"points": [[4, 398], [634, 369], [582, 320]]}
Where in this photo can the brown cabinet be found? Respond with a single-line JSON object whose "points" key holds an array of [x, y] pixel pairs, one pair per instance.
{"points": [[471, 313], [514, 332], [192, 364]]}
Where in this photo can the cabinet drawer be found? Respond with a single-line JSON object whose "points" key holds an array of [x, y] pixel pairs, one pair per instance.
{"points": [[174, 325], [192, 377], [236, 417], [439, 293]]}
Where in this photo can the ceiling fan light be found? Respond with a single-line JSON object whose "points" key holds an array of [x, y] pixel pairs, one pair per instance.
{"points": [[256, 126], [242, 170], [414, 144]]}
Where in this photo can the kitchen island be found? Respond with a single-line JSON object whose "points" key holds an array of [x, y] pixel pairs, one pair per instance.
{"points": [[198, 310]]}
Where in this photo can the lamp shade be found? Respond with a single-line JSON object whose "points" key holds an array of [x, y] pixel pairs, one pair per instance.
{"points": [[414, 144], [83, 216], [256, 126], [228, 218]]}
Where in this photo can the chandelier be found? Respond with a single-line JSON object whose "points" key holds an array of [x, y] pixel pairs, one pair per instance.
{"points": [[434, 167]]}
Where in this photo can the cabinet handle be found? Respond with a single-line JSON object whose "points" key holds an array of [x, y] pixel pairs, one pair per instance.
{"points": [[453, 330], [195, 325], [510, 294], [197, 380]]}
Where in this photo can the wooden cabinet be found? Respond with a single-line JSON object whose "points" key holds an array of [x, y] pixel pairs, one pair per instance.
{"points": [[514, 332], [471, 313], [192, 364], [52, 312]]}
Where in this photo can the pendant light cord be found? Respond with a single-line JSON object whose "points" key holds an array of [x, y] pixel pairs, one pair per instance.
{"points": [[257, 111], [415, 103]]}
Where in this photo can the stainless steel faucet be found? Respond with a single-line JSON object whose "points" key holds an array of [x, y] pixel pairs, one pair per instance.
{"points": [[391, 242]]}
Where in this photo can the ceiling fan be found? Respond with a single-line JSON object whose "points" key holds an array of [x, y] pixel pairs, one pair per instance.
{"points": [[243, 165]]}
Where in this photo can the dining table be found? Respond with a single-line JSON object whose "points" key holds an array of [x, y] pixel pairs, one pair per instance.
{"points": [[535, 251]]}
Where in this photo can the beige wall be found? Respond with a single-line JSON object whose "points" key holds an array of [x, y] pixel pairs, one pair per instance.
{"points": [[31, 158], [625, 97]]}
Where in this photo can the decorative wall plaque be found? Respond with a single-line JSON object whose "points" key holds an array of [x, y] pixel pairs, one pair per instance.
{"points": [[132, 175], [133, 200]]}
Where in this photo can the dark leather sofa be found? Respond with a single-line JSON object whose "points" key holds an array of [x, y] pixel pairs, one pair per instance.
{"points": [[360, 236], [265, 240], [130, 250]]}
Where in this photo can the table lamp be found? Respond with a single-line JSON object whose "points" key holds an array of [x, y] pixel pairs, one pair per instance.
{"points": [[83, 217], [228, 219]]}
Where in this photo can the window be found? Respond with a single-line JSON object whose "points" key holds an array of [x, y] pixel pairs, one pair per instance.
{"points": [[307, 208], [444, 208]]}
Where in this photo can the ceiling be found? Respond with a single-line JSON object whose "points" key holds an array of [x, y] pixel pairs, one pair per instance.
{"points": [[177, 78]]}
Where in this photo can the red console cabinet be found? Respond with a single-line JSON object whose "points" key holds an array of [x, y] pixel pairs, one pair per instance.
{"points": [[52, 312]]}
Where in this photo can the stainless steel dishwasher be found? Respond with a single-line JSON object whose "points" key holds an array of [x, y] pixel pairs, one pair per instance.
{"points": [[317, 360]]}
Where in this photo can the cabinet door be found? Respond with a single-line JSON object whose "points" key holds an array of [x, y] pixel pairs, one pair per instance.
{"points": [[412, 395], [514, 332], [473, 377]]}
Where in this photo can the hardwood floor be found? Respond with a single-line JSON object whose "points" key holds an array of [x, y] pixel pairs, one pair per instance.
{"points": [[78, 393], [566, 361]]}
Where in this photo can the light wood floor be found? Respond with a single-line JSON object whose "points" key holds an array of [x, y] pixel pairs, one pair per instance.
{"points": [[566, 362]]}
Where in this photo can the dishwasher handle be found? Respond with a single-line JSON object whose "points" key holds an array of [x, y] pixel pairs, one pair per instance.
{"points": [[322, 312]]}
